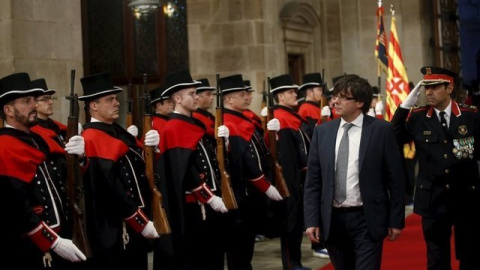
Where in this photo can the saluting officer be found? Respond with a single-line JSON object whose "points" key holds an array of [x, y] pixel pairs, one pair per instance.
{"points": [[447, 191]]}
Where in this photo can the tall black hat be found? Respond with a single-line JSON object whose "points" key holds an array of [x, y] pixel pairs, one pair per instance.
{"points": [[16, 85], [375, 91], [177, 81], [282, 82], [248, 85], [98, 85], [231, 84], [41, 83], [437, 75], [204, 86], [156, 95], [311, 80]]}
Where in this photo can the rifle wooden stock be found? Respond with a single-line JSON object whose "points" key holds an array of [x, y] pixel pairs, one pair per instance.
{"points": [[323, 101], [280, 182], [160, 220], [75, 186], [228, 196], [2, 124], [128, 118]]}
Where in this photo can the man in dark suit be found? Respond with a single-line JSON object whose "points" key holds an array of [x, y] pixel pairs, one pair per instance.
{"points": [[447, 186], [353, 201]]}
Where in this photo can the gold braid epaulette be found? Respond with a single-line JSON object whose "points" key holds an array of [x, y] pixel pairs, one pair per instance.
{"points": [[419, 109], [472, 108]]}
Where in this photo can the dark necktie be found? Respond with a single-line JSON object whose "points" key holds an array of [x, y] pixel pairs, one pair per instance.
{"points": [[342, 165], [443, 121]]}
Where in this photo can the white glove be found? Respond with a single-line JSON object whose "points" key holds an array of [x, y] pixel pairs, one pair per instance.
{"points": [[76, 146], [273, 125], [223, 131], [217, 204], [133, 130], [149, 231], [273, 194], [66, 249], [80, 128], [379, 107], [152, 138], [264, 111], [371, 112], [412, 97], [325, 111]]}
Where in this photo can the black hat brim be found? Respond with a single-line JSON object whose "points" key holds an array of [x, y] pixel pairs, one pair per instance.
{"points": [[169, 91], [101, 94]]}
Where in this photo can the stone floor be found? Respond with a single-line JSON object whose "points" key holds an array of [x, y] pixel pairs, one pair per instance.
{"points": [[267, 254]]}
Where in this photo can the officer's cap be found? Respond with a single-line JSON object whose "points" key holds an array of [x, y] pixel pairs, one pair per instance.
{"points": [[437, 75]]}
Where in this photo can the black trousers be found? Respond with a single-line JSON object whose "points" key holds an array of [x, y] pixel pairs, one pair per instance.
{"points": [[349, 244]]}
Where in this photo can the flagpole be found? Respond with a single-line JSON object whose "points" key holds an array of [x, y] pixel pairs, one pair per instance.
{"points": [[379, 71]]}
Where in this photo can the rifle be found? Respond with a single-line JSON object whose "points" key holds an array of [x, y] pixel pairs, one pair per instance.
{"points": [[160, 220], [264, 104], [1, 121], [75, 186], [279, 181], [228, 196], [323, 101], [128, 119]]}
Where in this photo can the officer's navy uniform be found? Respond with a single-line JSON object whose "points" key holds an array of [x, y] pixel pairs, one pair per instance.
{"points": [[447, 190]]}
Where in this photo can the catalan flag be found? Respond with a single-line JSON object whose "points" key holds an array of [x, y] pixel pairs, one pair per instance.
{"points": [[381, 43], [397, 80]]}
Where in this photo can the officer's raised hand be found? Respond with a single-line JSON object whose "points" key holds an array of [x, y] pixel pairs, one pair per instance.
{"points": [[412, 98]]}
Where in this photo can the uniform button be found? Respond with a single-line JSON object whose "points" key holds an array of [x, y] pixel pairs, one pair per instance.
{"points": [[447, 171], [445, 141], [426, 140], [447, 186], [473, 187], [445, 156]]}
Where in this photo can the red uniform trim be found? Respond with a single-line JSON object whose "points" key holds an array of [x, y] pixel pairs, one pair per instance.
{"points": [[180, 134], [21, 160], [287, 119], [203, 193], [239, 126], [260, 183], [100, 144], [138, 221], [307, 109], [208, 122], [43, 236]]}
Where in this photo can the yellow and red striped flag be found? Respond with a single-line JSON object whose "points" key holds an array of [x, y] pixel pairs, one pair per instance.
{"points": [[397, 79], [381, 42]]}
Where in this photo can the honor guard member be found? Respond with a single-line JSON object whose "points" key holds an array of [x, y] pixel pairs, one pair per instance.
{"points": [[246, 172], [292, 145], [117, 195], [38, 228], [248, 112], [190, 177], [376, 107], [205, 102], [45, 125], [447, 191], [310, 109], [162, 107]]}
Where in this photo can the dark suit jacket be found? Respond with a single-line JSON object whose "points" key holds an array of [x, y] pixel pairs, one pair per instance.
{"points": [[380, 176]]}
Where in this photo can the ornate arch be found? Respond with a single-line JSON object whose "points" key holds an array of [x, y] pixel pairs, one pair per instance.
{"points": [[300, 24]]}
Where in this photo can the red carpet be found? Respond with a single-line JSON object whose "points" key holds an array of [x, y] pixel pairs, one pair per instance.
{"points": [[408, 251]]}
